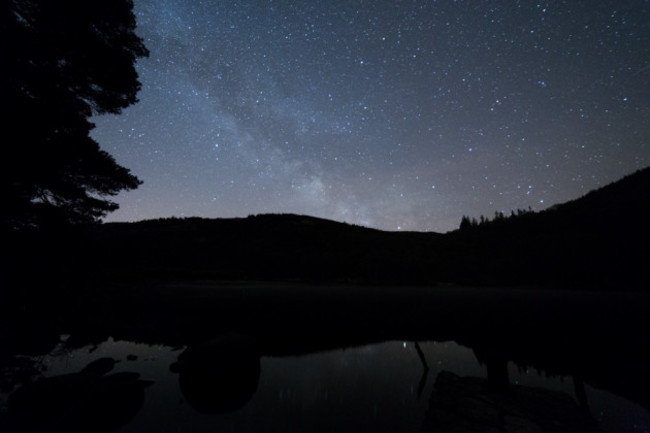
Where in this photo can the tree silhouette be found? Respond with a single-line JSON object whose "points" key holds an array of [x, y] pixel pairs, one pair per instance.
{"points": [[63, 61], [465, 223]]}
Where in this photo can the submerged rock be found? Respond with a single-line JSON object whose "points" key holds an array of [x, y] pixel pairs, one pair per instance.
{"points": [[468, 404], [85, 401], [219, 375]]}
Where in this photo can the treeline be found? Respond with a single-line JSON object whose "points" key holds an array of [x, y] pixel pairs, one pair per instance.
{"points": [[499, 218]]}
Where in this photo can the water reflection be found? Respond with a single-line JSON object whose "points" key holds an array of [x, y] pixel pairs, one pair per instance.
{"points": [[225, 384], [279, 368]]}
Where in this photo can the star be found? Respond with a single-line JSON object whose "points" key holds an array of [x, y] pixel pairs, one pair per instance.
{"points": [[278, 107]]}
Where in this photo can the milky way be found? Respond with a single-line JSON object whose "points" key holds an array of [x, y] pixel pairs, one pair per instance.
{"points": [[399, 115]]}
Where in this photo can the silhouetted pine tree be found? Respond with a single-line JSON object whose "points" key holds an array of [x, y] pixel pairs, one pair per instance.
{"points": [[465, 223], [63, 61]]}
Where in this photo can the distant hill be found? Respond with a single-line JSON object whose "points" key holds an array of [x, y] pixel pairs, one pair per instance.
{"points": [[261, 247], [600, 239]]}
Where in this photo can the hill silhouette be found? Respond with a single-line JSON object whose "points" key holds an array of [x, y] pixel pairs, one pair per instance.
{"points": [[265, 247], [600, 239]]}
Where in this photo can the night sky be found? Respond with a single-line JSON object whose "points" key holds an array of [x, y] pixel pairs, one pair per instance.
{"points": [[398, 115]]}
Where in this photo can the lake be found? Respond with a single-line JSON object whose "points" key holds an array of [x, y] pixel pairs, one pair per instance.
{"points": [[330, 359]]}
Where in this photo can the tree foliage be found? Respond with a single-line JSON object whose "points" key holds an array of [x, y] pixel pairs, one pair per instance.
{"points": [[499, 217], [63, 62]]}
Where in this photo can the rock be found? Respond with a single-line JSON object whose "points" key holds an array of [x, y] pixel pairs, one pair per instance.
{"points": [[469, 404], [85, 401], [220, 375]]}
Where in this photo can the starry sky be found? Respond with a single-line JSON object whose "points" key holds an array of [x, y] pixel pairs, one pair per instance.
{"points": [[397, 115]]}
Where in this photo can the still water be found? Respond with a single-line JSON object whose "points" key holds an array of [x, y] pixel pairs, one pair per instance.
{"points": [[383, 387]]}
